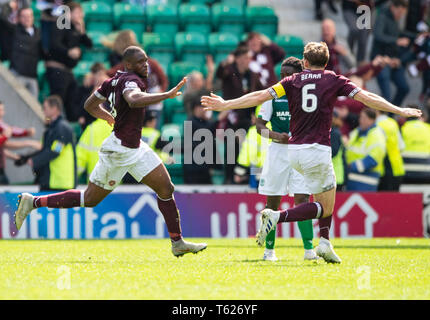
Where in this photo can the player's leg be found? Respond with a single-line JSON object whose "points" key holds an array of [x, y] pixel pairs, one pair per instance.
{"points": [[306, 229], [159, 180], [325, 248], [269, 253], [67, 199]]}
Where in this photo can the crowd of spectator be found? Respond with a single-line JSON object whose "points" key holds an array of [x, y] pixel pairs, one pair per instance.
{"points": [[394, 49]]}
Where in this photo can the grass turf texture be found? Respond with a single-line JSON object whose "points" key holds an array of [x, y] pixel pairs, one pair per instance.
{"points": [[227, 269]]}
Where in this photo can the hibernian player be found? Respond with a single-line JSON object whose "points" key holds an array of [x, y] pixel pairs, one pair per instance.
{"points": [[311, 95], [278, 178]]}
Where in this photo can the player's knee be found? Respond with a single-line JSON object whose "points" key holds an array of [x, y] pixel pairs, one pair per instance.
{"points": [[166, 191]]}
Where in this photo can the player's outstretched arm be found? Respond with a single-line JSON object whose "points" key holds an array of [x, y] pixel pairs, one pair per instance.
{"points": [[216, 103], [376, 102], [139, 99], [93, 107]]}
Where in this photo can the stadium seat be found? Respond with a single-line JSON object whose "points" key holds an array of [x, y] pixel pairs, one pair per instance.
{"points": [[36, 13], [98, 52], [98, 16], [292, 45], [191, 46], [159, 46], [81, 69], [179, 69], [171, 106], [204, 2], [162, 18], [221, 44], [179, 118], [129, 16], [262, 19], [278, 70], [228, 18], [241, 3], [195, 18]]}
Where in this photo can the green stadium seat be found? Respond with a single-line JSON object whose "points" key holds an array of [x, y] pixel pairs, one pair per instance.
{"points": [[171, 106], [221, 44], [204, 2], [129, 16], [278, 70], [159, 46], [98, 16], [241, 3], [195, 18], [292, 45], [179, 69], [262, 19], [191, 46], [36, 13], [228, 18], [81, 69], [179, 118], [162, 18], [98, 52]]}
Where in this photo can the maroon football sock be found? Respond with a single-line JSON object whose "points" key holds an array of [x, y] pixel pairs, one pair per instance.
{"points": [[66, 199], [325, 224], [305, 211], [171, 216]]}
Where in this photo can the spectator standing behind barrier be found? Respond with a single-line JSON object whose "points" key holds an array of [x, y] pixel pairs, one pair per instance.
{"points": [[265, 55], [365, 154], [393, 163], [388, 41], [416, 155], [26, 49], [357, 38], [195, 172], [156, 81], [92, 81], [55, 164], [6, 144], [341, 58], [64, 55], [9, 14], [236, 80], [197, 85]]}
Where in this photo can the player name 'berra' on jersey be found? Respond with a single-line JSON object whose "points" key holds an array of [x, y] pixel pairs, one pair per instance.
{"points": [[306, 76]]}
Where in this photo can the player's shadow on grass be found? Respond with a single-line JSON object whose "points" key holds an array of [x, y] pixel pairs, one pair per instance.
{"points": [[282, 263]]}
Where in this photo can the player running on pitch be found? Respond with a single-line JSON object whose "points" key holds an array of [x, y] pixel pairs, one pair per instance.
{"points": [[311, 95], [278, 178], [123, 151]]}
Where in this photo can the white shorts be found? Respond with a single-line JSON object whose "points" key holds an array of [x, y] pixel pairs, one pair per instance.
{"points": [[115, 160], [278, 178], [315, 164]]}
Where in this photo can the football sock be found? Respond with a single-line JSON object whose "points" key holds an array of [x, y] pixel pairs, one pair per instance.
{"points": [[66, 199], [307, 232], [270, 239], [325, 224], [305, 211], [171, 217]]}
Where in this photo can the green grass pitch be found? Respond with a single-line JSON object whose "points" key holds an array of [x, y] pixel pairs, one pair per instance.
{"points": [[227, 269]]}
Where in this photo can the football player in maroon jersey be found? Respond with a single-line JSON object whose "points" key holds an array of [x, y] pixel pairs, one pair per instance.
{"points": [[311, 95]]}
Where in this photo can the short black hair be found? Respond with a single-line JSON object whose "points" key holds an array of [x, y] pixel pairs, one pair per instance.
{"points": [[129, 53], [400, 3], [370, 113], [55, 101], [294, 63]]}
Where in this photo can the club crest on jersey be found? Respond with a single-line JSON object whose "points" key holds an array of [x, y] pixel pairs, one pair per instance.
{"points": [[112, 183]]}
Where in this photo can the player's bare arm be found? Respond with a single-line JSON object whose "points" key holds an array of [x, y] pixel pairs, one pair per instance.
{"points": [[376, 102], [139, 99], [217, 103], [93, 107], [275, 136]]}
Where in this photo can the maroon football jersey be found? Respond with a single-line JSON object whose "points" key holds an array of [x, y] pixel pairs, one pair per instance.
{"points": [[311, 96], [128, 121]]}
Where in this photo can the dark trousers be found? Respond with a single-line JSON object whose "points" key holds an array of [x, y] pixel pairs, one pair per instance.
{"points": [[398, 77], [63, 83]]}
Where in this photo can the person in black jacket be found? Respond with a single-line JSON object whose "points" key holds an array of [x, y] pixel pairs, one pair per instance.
{"points": [[26, 49], [64, 55], [55, 165]]}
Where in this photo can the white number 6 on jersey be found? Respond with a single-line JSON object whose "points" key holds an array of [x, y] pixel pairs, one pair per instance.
{"points": [[306, 96]]}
